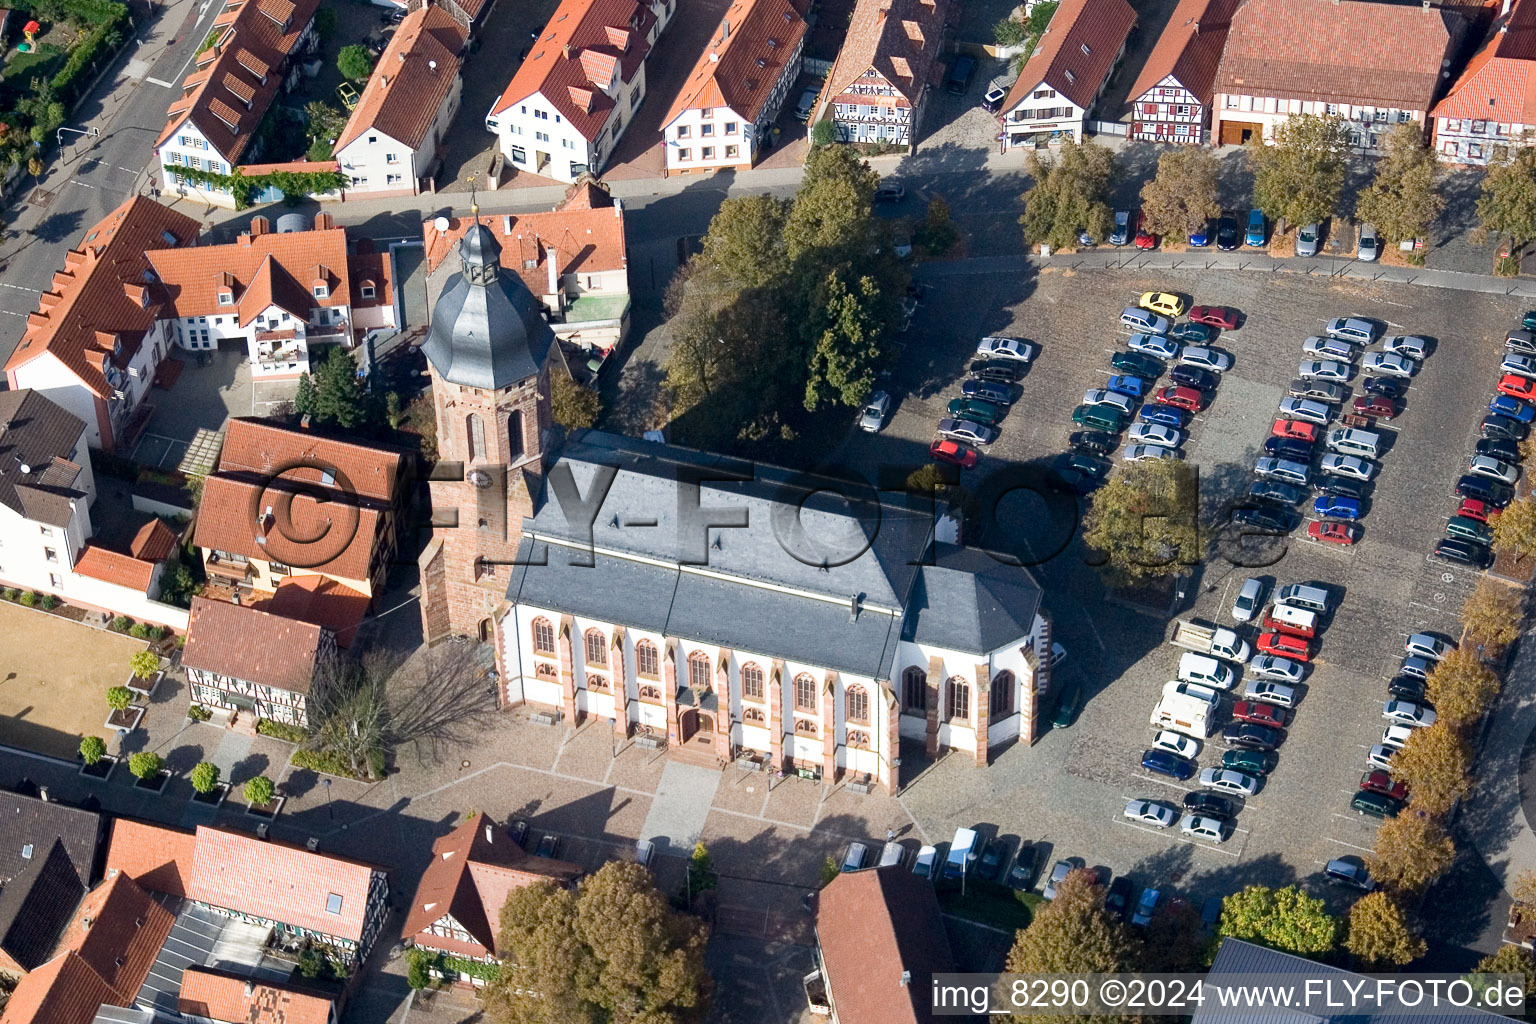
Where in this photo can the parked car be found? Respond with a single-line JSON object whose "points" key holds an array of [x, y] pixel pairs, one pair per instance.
{"points": [[1117, 898], [1164, 763], [1155, 433], [994, 99], [1342, 487], [1005, 348], [1517, 386], [890, 192], [1259, 714], [1325, 369], [1176, 743], [1250, 598], [1408, 713], [1285, 645], [1166, 303], [1193, 377], [992, 857], [1521, 341], [1185, 398], [1386, 387], [1493, 469], [1375, 805], [1153, 345], [1273, 521], [1271, 692], [1113, 399], [1206, 358], [1389, 364], [1251, 736], [1380, 756], [1067, 703], [1343, 534], [876, 409], [1464, 552], [953, 453], [1306, 409], [960, 73], [347, 94], [1224, 780], [1146, 907], [1149, 453], [1167, 415], [549, 845], [1192, 333], [1378, 781], [967, 430], [806, 104], [518, 831], [1099, 417], [1214, 316], [853, 860], [1210, 805], [927, 862], [1026, 866], [1298, 429], [1286, 448], [1144, 239], [1410, 345], [1256, 235], [1251, 762], [1500, 425], [977, 411], [1000, 371], [1150, 812], [1226, 233], [1407, 688], [1140, 364], [1129, 384], [1122, 230], [1093, 442], [1395, 736], [1328, 347], [1349, 871], [1416, 666], [1317, 390], [1356, 329], [1272, 666], [1370, 244], [1463, 528], [1306, 240], [1483, 512], [1379, 406], [1347, 465], [1059, 872], [992, 391], [1501, 448], [1491, 491], [1336, 507]]}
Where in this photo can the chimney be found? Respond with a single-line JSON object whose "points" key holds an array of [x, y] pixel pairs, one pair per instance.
{"points": [[250, 989], [1196, 24], [1504, 11], [245, 239], [854, 604], [304, 422], [566, 50], [554, 274], [384, 81], [725, 30], [42, 793], [324, 222], [401, 55], [886, 10], [260, 226], [262, 830], [490, 835], [312, 844]]}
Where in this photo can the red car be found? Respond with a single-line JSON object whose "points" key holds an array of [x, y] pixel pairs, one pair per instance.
{"points": [[1144, 238], [1296, 429], [1475, 508], [1517, 386], [1334, 533], [1180, 397], [1378, 781], [1285, 646], [1379, 406], [1215, 316], [1259, 714], [953, 452]]}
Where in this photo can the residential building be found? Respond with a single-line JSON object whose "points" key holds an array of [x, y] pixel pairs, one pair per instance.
{"points": [[726, 109], [568, 104], [1171, 98], [1066, 74], [96, 340], [284, 503], [879, 941], [573, 259], [301, 895], [213, 126], [244, 660], [1270, 71], [814, 651], [880, 80], [389, 145], [223, 997], [47, 863], [1491, 109], [474, 868]]}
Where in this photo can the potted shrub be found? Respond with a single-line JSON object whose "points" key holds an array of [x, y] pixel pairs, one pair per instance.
{"points": [[205, 783], [145, 669], [261, 796], [93, 753], [124, 716], [148, 767], [198, 713]]}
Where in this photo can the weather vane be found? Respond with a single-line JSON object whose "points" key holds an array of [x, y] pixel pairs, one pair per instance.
{"points": [[474, 205]]}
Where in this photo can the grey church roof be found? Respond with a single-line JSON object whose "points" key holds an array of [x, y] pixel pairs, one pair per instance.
{"points": [[487, 329], [969, 601]]}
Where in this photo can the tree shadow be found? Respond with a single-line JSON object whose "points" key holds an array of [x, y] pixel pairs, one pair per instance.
{"points": [[56, 227], [440, 699], [248, 768], [181, 759]]}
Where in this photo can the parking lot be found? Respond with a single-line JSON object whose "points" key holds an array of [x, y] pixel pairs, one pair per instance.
{"points": [[1069, 789]]}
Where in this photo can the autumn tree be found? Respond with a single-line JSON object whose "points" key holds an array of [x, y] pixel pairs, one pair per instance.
{"points": [[1070, 194], [1181, 199], [1461, 687], [610, 950], [1510, 959], [1494, 615], [1523, 889], [1073, 934], [1300, 177], [1507, 206], [1177, 940], [1412, 850], [1403, 200], [1379, 935], [1143, 522], [1285, 919], [571, 405], [1434, 764], [1515, 528]]}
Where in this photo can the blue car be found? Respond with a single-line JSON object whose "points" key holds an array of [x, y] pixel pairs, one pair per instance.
{"points": [[1276, 490], [1125, 384], [1291, 448], [1336, 507], [1255, 236], [1164, 762], [1201, 237], [1164, 414], [1514, 408]]}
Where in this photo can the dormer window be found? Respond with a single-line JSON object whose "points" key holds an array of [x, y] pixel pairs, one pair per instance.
{"points": [[321, 290], [226, 298], [367, 290]]}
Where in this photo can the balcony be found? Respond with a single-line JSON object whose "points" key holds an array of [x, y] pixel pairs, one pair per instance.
{"points": [[280, 352], [340, 328], [228, 569]]}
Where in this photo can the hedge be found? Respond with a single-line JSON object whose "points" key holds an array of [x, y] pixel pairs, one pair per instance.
{"points": [[331, 763], [295, 184], [474, 968], [282, 730], [104, 38]]}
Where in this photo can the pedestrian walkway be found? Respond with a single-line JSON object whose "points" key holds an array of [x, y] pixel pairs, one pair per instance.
{"points": [[1494, 817], [682, 802]]}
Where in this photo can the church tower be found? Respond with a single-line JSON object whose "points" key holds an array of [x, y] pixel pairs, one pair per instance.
{"points": [[489, 351]]}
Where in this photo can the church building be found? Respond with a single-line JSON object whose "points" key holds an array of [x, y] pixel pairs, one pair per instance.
{"points": [[733, 612]]}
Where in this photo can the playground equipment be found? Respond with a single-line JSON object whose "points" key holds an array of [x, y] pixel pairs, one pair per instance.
{"points": [[30, 30]]}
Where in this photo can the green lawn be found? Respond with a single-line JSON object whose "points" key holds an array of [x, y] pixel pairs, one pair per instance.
{"points": [[21, 68], [990, 904]]}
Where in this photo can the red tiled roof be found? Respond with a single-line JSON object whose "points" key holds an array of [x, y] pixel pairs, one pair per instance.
{"points": [[155, 542], [268, 268], [63, 991], [1189, 49], [371, 267], [206, 992], [257, 646], [101, 292], [743, 61], [114, 567], [118, 930], [898, 38], [1499, 83], [406, 90], [1077, 51], [158, 858], [1395, 52], [336, 538], [322, 601], [258, 450], [280, 883], [581, 46]]}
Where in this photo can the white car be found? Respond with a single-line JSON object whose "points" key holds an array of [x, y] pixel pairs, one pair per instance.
{"points": [[1410, 345], [1407, 713], [1347, 465], [1153, 345], [1005, 348], [1395, 736], [1272, 666], [1149, 453], [1370, 244], [1486, 465], [1155, 433], [1423, 645], [1307, 409], [1516, 363], [1201, 827], [1329, 348], [1379, 757], [1325, 369], [1205, 358], [1270, 692], [1176, 743], [1151, 812], [1225, 780], [1389, 364], [927, 860], [1249, 600], [1099, 396]]}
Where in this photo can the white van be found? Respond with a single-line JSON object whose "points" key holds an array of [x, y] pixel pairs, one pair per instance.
{"points": [[1354, 441], [1206, 670], [1303, 620], [1144, 320], [1304, 595]]}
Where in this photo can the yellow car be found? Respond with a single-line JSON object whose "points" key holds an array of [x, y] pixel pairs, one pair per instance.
{"points": [[1165, 303], [347, 95]]}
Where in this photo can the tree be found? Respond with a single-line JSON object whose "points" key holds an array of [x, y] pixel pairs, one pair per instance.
{"points": [[146, 764], [1069, 195], [847, 352], [418, 969], [823, 133], [394, 413], [1494, 615], [1009, 32], [701, 871], [1300, 177], [572, 406], [1434, 765], [205, 776], [1412, 850], [1403, 201], [1461, 687], [1515, 528], [1182, 198], [1508, 203], [744, 248], [1143, 522], [1177, 940], [1512, 960], [35, 165], [92, 749], [612, 950], [260, 791], [937, 233], [325, 121], [354, 62], [349, 714], [1285, 919], [1379, 935], [336, 394], [144, 664], [1523, 889], [1075, 934], [831, 217], [119, 697]]}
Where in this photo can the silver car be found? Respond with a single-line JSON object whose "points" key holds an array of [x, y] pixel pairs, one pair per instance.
{"points": [[1425, 645], [1329, 348], [1249, 600], [1306, 240], [1516, 363], [1389, 364], [1410, 345], [1270, 692], [1370, 244], [1348, 465], [1153, 345], [1151, 812], [1200, 827], [1205, 358], [1272, 666], [1325, 369], [1493, 469], [1308, 409], [1407, 713], [1114, 399], [875, 411], [1225, 780], [1318, 390], [1155, 433], [1352, 328], [1149, 453], [1380, 757]]}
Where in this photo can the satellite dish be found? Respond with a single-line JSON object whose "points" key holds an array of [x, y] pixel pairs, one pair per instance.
{"points": [[441, 224], [26, 470], [432, 64]]}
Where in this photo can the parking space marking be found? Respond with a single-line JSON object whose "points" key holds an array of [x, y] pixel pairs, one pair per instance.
{"points": [[1166, 782], [1179, 837], [1352, 846]]}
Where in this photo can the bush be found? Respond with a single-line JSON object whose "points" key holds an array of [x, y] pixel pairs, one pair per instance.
{"points": [[50, 602], [29, 598], [198, 713], [1008, 32], [418, 972], [321, 761], [823, 133], [282, 730], [139, 631], [146, 764], [92, 749], [155, 634], [354, 62], [120, 624], [144, 664], [119, 697], [11, 593], [259, 792], [205, 777]]}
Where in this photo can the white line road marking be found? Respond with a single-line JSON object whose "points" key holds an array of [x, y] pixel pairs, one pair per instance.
{"points": [[159, 82], [1166, 782], [75, 181], [17, 287], [7, 312], [1352, 846]]}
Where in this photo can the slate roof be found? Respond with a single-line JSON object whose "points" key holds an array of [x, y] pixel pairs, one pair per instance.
{"points": [[221, 996], [1077, 51], [898, 38], [1499, 83], [1189, 49], [36, 905], [745, 59], [1399, 68], [158, 858], [404, 93], [26, 819], [101, 293], [256, 646], [261, 270], [970, 602], [873, 925], [37, 480]]}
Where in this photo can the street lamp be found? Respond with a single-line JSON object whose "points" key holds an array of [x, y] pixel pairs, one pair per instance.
{"points": [[326, 785]]}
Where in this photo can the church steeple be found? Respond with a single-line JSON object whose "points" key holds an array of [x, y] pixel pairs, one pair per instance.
{"points": [[479, 252]]}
